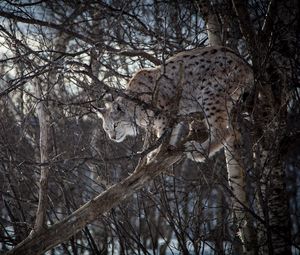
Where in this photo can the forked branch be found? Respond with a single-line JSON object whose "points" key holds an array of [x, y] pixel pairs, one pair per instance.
{"points": [[38, 243], [89, 212]]}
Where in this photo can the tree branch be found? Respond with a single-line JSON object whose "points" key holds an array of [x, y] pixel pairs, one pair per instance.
{"points": [[63, 230], [84, 38], [40, 242], [266, 30], [247, 28]]}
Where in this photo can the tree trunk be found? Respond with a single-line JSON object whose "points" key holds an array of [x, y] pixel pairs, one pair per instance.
{"points": [[279, 220], [274, 200], [43, 112], [287, 22], [43, 117], [212, 24], [236, 175], [277, 38], [237, 184]]}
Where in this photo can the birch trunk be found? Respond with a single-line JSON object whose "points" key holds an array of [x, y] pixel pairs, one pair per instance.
{"points": [[43, 112], [236, 173], [212, 24], [278, 210], [237, 184], [43, 117], [277, 38], [273, 201], [285, 21]]}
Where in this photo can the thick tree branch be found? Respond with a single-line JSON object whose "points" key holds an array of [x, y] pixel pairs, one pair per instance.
{"points": [[39, 242], [63, 230]]}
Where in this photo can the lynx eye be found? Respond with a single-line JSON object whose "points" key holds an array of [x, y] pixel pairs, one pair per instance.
{"points": [[117, 108]]}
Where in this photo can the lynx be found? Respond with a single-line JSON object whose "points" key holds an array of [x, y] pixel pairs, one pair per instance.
{"points": [[212, 80]]}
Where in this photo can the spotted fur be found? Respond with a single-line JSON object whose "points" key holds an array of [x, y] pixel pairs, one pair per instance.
{"points": [[213, 79]]}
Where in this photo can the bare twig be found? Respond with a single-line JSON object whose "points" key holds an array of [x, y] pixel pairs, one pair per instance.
{"points": [[266, 30], [247, 28], [63, 230]]}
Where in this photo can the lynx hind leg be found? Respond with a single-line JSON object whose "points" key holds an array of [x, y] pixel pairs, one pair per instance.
{"points": [[218, 134]]}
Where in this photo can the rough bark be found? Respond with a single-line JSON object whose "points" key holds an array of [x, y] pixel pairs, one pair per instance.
{"points": [[279, 220], [284, 20], [63, 230], [281, 16], [262, 175], [276, 239]]}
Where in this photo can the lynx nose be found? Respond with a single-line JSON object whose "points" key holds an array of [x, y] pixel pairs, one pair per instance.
{"points": [[113, 136]]}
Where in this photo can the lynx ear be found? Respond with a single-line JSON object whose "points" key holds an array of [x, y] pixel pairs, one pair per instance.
{"points": [[101, 112], [108, 105], [108, 98]]}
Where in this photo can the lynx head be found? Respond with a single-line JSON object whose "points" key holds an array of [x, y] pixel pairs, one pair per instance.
{"points": [[116, 119]]}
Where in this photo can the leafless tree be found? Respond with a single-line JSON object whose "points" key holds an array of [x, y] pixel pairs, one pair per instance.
{"points": [[67, 188]]}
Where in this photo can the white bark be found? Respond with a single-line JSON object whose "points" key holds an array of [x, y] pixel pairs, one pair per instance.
{"points": [[213, 30], [42, 111], [236, 175], [211, 22], [237, 184], [43, 117]]}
